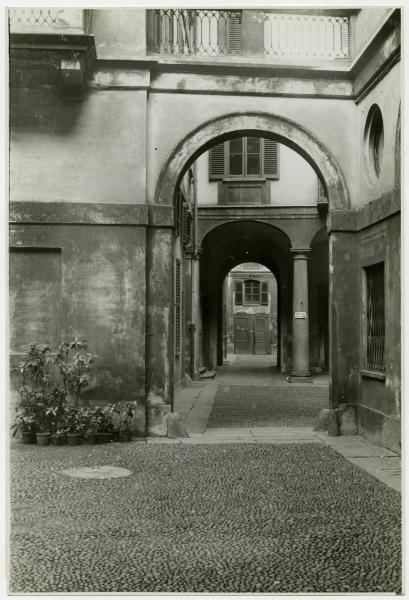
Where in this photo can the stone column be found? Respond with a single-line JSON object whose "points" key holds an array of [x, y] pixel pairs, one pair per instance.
{"points": [[301, 341]]}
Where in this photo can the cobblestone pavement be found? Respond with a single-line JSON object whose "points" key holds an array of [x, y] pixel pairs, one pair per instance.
{"points": [[253, 406], [201, 518]]}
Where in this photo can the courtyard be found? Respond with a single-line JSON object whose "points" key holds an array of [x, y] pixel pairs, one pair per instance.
{"points": [[246, 509]]}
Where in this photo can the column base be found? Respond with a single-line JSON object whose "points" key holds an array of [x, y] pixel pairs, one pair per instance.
{"points": [[300, 378]]}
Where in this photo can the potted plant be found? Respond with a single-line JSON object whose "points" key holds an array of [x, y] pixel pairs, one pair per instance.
{"points": [[74, 365], [126, 421], [59, 437], [25, 423], [74, 426], [90, 425], [104, 426]]}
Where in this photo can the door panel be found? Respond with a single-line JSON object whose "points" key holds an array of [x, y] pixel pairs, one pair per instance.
{"points": [[242, 325], [260, 326]]}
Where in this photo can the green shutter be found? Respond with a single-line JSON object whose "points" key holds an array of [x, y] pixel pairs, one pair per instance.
{"points": [[238, 293], [270, 159], [264, 293], [216, 158], [234, 33]]}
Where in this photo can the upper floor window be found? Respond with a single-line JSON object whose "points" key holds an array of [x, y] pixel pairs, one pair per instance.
{"points": [[250, 292], [245, 157]]}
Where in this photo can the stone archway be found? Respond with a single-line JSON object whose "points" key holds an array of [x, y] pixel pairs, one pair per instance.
{"points": [[261, 124], [159, 368]]}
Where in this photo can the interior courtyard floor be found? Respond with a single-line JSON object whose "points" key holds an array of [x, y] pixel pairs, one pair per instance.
{"points": [[238, 507]]}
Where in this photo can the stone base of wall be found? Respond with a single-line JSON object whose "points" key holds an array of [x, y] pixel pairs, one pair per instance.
{"points": [[379, 428]]}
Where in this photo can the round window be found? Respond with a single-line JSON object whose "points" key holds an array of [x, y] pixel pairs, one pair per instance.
{"points": [[374, 140]]}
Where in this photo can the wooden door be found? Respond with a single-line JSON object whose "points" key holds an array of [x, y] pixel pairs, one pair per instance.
{"points": [[261, 337], [242, 335]]}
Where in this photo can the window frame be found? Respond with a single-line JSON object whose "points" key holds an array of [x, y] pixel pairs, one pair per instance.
{"points": [[263, 292], [244, 176], [368, 369]]}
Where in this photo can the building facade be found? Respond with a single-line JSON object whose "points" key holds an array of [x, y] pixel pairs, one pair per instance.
{"points": [[152, 151]]}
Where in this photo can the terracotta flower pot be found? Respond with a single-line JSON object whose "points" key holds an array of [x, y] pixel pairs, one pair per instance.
{"points": [[28, 437], [104, 437], [43, 438], [58, 440], [74, 439], [92, 438], [115, 436], [125, 436]]}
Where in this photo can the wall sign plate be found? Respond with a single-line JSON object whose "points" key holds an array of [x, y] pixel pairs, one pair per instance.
{"points": [[300, 315]]}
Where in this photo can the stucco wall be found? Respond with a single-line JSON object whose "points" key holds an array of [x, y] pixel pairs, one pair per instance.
{"points": [[387, 96], [89, 150], [296, 186], [380, 400], [96, 291], [173, 116]]}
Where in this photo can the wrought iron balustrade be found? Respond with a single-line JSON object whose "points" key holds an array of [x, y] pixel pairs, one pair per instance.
{"points": [[309, 36], [46, 20], [211, 32], [196, 31]]}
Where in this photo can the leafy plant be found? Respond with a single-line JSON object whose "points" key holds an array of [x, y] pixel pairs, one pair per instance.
{"points": [[74, 365], [73, 420], [126, 415], [24, 422]]}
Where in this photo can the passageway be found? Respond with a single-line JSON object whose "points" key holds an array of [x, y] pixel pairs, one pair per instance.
{"points": [[253, 393]]}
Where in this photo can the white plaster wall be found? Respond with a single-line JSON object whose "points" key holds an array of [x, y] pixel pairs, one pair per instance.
{"points": [[297, 185]]}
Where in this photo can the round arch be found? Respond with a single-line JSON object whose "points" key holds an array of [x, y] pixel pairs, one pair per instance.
{"points": [[267, 125]]}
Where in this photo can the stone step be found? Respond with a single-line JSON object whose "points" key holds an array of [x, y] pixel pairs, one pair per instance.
{"points": [[208, 375]]}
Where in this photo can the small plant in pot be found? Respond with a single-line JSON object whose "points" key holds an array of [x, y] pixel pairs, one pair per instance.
{"points": [[74, 365], [25, 424], [126, 421], [74, 425], [104, 426]]}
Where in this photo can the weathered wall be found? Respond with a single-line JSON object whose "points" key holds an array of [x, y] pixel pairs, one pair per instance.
{"points": [[364, 26], [388, 97], [296, 186], [93, 286], [173, 116], [89, 150], [379, 410], [119, 34]]}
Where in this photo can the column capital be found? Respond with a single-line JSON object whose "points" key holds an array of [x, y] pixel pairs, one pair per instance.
{"points": [[300, 253]]}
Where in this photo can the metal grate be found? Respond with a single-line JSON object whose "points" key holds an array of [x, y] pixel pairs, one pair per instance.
{"points": [[375, 315], [38, 17], [307, 36], [195, 31]]}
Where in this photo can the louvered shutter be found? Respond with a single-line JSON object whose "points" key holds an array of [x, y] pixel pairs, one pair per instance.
{"points": [[234, 32], [264, 293], [345, 38], [178, 306], [216, 168], [270, 159], [238, 293]]}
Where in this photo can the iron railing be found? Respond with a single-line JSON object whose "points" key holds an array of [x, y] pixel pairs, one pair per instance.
{"points": [[46, 20], [309, 36], [195, 31], [375, 314], [222, 33]]}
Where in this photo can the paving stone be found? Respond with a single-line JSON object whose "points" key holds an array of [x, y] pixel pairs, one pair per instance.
{"points": [[201, 518]]}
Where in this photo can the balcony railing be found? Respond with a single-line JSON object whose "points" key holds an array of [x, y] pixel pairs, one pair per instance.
{"points": [[47, 20], [200, 31], [314, 37], [206, 32]]}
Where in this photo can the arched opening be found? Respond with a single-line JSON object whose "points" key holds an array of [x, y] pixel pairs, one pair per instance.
{"points": [[275, 241], [224, 249], [250, 312]]}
